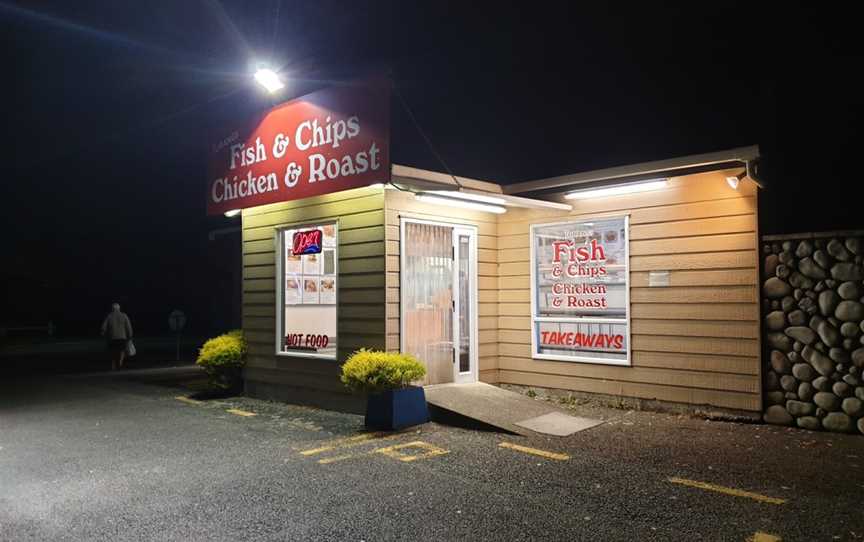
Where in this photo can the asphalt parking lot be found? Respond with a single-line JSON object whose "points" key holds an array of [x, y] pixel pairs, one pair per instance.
{"points": [[127, 457]]}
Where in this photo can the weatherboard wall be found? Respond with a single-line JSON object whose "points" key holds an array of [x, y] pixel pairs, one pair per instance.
{"points": [[361, 295], [694, 342]]}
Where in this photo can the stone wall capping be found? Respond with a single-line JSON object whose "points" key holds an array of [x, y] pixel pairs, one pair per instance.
{"points": [[813, 235]]}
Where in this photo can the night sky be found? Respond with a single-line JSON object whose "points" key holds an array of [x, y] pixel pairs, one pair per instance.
{"points": [[107, 106]]}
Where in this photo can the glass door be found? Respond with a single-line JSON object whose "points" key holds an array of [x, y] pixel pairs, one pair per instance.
{"points": [[465, 300], [438, 299]]}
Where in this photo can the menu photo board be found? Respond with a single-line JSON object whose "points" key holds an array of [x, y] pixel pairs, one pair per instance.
{"points": [[307, 323], [580, 291]]}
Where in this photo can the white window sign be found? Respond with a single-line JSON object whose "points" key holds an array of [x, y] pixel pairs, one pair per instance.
{"points": [[307, 285], [580, 299]]}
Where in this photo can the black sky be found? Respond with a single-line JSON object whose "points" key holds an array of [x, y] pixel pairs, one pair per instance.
{"points": [[106, 107]]}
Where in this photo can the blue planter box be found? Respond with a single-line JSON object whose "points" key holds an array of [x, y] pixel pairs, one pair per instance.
{"points": [[395, 409]]}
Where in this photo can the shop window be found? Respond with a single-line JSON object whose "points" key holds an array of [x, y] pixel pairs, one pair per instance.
{"points": [[580, 291], [307, 288]]}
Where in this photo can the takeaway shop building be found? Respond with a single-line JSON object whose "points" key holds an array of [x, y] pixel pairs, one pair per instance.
{"points": [[637, 281]]}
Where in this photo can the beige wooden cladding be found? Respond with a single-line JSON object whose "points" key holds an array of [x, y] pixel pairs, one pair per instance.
{"points": [[362, 287], [695, 341]]}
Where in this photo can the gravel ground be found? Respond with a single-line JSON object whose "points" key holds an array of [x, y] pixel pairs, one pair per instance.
{"points": [[98, 457]]}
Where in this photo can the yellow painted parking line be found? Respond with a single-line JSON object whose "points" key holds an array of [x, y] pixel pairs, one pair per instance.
{"points": [[392, 452], [188, 400], [535, 451], [350, 442], [339, 443], [238, 412], [430, 451], [759, 536], [338, 458], [727, 490]]}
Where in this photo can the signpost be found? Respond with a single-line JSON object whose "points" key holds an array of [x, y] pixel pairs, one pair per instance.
{"points": [[177, 321]]}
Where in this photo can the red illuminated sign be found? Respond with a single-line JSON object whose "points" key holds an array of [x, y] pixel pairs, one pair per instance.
{"points": [[306, 242], [583, 340], [327, 141]]}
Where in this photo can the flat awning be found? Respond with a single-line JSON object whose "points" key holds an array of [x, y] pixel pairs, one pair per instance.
{"points": [[741, 156], [432, 183]]}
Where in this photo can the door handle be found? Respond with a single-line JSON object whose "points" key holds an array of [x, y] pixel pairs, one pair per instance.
{"points": [[453, 323]]}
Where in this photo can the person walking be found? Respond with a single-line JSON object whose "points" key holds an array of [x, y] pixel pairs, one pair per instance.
{"points": [[117, 330]]}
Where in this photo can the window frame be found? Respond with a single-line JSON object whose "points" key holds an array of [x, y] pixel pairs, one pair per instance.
{"points": [[280, 288], [536, 320]]}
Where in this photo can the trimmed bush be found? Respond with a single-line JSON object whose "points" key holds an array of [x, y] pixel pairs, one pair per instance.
{"points": [[223, 355], [374, 371]]}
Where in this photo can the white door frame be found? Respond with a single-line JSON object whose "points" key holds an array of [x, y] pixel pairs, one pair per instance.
{"points": [[456, 228], [471, 374]]}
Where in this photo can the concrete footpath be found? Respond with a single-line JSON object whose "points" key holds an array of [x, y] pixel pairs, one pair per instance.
{"points": [[129, 457]]}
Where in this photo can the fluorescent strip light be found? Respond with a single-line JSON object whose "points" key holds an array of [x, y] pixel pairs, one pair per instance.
{"points": [[470, 196], [617, 190], [232, 212], [465, 204], [269, 79]]}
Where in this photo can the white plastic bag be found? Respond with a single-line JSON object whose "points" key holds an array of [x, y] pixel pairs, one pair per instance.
{"points": [[130, 348]]}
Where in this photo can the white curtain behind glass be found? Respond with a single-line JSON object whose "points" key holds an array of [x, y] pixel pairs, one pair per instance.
{"points": [[427, 283]]}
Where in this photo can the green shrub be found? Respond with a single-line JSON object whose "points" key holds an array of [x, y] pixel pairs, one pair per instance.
{"points": [[373, 371], [226, 351]]}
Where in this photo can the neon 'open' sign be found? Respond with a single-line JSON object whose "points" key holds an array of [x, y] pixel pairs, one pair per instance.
{"points": [[307, 242]]}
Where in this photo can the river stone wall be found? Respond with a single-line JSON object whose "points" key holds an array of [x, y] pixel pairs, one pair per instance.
{"points": [[813, 316]]}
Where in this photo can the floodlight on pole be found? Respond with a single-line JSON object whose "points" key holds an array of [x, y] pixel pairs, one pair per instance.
{"points": [[269, 79]]}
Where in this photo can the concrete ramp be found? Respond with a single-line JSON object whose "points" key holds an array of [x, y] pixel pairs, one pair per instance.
{"points": [[502, 409]]}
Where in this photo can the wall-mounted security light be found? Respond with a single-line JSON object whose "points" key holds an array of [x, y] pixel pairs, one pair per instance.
{"points": [[462, 203], [618, 189], [269, 79], [232, 212], [733, 180]]}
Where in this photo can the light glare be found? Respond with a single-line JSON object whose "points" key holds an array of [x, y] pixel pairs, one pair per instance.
{"points": [[464, 204], [269, 79], [470, 196], [617, 190]]}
